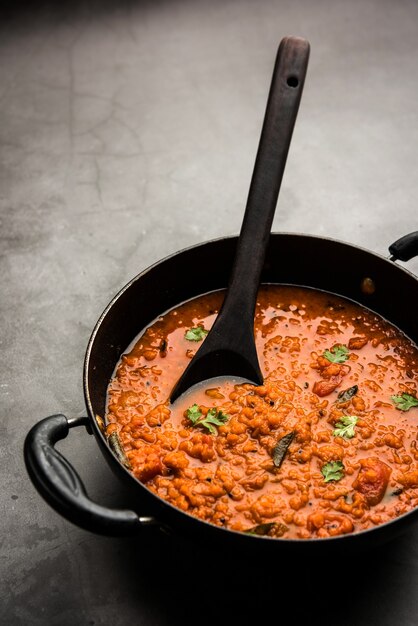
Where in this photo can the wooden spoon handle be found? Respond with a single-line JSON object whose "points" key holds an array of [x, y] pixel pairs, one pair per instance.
{"points": [[229, 348], [282, 108]]}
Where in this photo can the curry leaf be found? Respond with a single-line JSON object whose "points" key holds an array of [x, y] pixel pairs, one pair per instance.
{"points": [[334, 470], [347, 394], [116, 445], [345, 426], [274, 529], [196, 334], [405, 401], [337, 354], [281, 447]]}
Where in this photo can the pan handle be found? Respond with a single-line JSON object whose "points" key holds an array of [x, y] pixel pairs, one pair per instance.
{"points": [[405, 248], [60, 485]]}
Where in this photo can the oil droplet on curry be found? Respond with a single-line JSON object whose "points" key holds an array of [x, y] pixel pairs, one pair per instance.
{"points": [[326, 446]]}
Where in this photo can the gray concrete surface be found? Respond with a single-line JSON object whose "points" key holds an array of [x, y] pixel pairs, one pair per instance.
{"points": [[128, 130]]}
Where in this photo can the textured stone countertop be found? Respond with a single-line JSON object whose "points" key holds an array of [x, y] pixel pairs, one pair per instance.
{"points": [[128, 132]]}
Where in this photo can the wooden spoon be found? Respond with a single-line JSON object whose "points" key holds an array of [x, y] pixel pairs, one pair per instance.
{"points": [[229, 348]]}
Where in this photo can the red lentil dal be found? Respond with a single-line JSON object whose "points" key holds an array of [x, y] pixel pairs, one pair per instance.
{"points": [[331, 480]]}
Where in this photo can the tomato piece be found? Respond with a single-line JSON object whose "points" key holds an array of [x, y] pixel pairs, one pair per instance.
{"points": [[150, 468], [329, 524], [372, 479], [325, 387]]}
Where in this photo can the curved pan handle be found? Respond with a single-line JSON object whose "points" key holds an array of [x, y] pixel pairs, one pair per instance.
{"points": [[60, 485], [405, 248]]}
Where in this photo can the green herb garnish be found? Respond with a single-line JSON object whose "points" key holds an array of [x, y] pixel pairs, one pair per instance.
{"points": [[193, 413], [337, 354], [345, 426], [405, 401], [334, 470], [196, 334], [212, 419]]}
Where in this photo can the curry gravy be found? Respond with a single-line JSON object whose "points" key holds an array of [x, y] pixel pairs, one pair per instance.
{"points": [[326, 446]]}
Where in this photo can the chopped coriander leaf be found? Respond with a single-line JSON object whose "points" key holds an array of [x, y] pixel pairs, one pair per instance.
{"points": [[337, 354], [334, 470], [193, 413], [405, 401], [196, 333], [345, 426], [212, 419]]}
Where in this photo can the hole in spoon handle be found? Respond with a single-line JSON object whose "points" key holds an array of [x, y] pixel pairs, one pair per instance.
{"points": [[293, 81]]}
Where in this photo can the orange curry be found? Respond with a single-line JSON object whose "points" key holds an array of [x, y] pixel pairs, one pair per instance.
{"points": [[326, 446]]}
